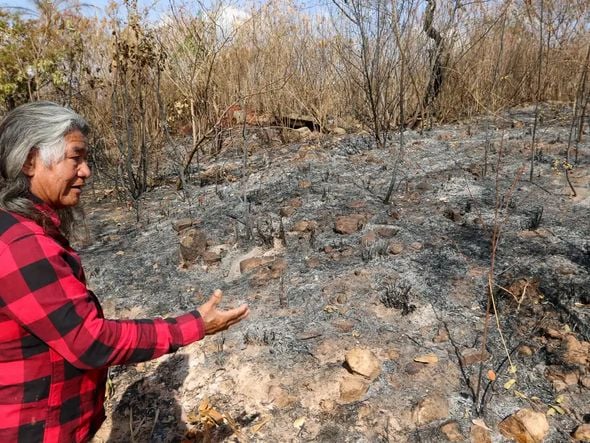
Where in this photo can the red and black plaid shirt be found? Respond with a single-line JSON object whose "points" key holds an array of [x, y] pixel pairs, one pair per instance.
{"points": [[55, 344]]}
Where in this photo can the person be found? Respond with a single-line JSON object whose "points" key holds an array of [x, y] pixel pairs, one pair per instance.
{"points": [[55, 344]]}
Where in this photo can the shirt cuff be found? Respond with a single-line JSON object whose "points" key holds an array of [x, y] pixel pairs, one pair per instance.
{"points": [[191, 328]]}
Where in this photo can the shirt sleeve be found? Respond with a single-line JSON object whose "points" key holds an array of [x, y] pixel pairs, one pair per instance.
{"points": [[40, 291]]}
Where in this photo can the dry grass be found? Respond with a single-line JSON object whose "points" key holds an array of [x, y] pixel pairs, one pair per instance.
{"points": [[282, 59]]}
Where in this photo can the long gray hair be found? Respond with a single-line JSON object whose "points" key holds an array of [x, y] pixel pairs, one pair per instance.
{"points": [[41, 125]]}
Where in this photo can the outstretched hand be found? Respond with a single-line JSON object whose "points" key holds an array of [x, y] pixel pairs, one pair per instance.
{"points": [[217, 320]]}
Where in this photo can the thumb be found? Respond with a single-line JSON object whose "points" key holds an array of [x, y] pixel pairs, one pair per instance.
{"points": [[216, 298]]}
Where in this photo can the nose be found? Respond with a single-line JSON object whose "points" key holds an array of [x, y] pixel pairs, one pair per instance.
{"points": [[84, 170]]}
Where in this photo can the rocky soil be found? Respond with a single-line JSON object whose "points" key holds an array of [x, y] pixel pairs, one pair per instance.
{"points": [[367, 320]]}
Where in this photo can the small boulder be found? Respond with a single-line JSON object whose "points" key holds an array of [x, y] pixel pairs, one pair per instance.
{"points": [[452, 431], [582, 433], [287, 211], [471, 356], [305, 226], [575, 352], [349, 224], [193, 243], [363, 362], [386, 231], [253, 263], [429, 409], [479, 434], [353, 388], [395, 248], [525, 350], [211, 257], [525, 426], [182, 224]]}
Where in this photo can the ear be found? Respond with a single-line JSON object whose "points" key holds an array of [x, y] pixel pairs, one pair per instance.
{"points": [[29, 166]]}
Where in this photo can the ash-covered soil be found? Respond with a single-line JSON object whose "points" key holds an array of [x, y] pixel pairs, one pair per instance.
{"points": [[406, 282]]}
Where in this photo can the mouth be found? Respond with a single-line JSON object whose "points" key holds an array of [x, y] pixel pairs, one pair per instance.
{"points": [[77, 187]]}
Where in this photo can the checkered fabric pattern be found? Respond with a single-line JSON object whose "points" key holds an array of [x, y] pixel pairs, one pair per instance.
{"points": [[55, 344]]}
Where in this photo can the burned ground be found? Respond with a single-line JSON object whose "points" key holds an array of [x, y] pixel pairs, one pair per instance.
{"points": [[409, 279]]}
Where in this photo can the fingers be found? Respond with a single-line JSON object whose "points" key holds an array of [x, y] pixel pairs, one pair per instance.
{"points": [[216, 297], [236, 313], [233, 316]]}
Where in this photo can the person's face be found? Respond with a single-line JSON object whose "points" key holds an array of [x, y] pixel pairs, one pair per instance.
{"points": [[60, 184]]}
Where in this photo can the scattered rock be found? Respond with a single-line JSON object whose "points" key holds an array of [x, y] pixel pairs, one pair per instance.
{"points": [[304, 184], [353, 388], [305, 226], [363, 362], [453, 214], [182, 224], [193, 243], [560, 373], [585, 381], [471, 356], [582, 433], [357, 204], [336, 130], [428, 359], [211, 257], [416, 246], [386, 231], [395, 248], [479, 434], [575, 352], [369, 238], [270, 271], [525, 426], [253, 263], [312, 262], [349, 224], [452, 431], [296, 202], [343, 325], [525, 350], [553, 333], [429, 409], [287, 211]]}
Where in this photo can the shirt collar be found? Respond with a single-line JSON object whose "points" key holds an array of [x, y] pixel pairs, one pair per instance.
{"points": [[47, 210]]}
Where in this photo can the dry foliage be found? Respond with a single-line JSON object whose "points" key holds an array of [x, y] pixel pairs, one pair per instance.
{"points": [[197, 71]]}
